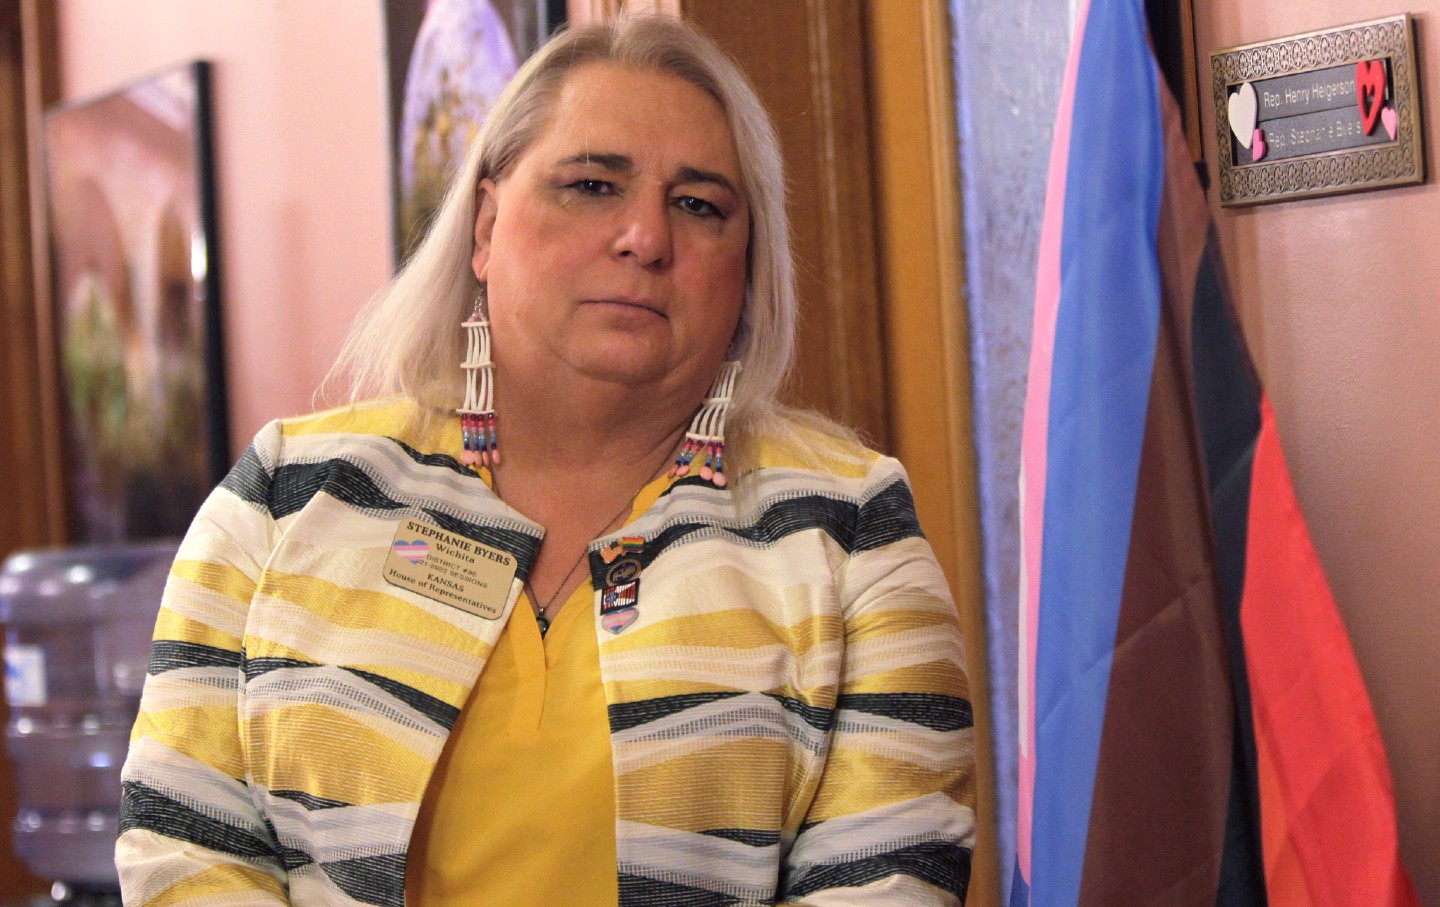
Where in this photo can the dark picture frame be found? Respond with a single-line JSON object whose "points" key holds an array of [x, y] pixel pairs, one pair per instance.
{"points": [[1172, 33], [445, 63], [135, 289]]}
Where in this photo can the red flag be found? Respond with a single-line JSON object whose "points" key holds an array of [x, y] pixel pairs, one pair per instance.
{"points": [[1327, 808]]}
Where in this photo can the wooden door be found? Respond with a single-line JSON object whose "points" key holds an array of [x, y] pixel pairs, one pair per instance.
{"points": [[29, 441], [861, 97]]}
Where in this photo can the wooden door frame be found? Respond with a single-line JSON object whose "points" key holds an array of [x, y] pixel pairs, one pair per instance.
{"points": [[920, 250], [34, 480], [31, 483]]}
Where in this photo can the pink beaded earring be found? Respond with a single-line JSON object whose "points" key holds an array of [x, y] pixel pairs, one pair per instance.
{"points": [[707, 429], [477, 416]]}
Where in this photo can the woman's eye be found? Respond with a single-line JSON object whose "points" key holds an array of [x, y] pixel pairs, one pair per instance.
{"points": [[593, 187], [697, 206]]}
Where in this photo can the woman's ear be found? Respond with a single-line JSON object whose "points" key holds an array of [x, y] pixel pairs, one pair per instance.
{"points": [[486, 205]]}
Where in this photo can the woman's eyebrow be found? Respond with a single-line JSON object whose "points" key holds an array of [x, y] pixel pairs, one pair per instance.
{"points": [[695, 175], [615, 162]]}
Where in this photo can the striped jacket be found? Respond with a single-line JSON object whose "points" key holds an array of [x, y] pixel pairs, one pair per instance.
{"points": [[789, 713]]}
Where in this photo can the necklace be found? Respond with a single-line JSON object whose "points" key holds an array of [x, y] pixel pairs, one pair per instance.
{"points": [[541, 620], [540, 610]]}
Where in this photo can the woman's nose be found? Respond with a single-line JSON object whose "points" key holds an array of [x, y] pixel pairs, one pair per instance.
{"points": [[645, 232]]}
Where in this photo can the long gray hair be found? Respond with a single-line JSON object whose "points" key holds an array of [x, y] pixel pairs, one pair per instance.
{"points": [[407, 339]]}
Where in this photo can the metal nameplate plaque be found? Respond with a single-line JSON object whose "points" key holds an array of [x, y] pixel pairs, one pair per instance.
{"points": [[1318, 114], [450, 569]]}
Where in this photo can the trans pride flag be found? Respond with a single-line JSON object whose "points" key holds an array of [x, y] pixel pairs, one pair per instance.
{"points": [[1193, 726]]}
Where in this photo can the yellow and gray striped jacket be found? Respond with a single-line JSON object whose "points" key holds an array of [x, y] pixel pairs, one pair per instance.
{"points": [[789, 713]]}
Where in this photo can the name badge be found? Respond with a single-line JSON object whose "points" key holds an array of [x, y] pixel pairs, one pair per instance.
{"points": [[450, 569]]}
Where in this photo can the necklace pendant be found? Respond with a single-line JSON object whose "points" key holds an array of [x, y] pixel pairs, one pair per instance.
{"points": [[542, 623]]}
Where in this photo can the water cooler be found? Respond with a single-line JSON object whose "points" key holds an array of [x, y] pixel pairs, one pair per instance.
{"points": [[77, 627]]}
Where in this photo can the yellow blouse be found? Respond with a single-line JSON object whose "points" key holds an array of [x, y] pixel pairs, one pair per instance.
{"points": [[521, 808]]}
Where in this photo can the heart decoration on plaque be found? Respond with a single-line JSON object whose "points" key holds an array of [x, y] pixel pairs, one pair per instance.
{"points": [[1258, 146], [413, 551], [1390, 121], [1370, 91], [1243, 110]]}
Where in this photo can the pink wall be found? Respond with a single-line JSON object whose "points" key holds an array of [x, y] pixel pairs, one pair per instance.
{"points": [[301, 165], [1338, 297]]}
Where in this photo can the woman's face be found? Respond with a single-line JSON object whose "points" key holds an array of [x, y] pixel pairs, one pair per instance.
{"points": [[615, 246]]}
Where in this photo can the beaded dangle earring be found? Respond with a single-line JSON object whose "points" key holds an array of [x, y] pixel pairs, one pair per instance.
{"points": [[707, 429], [477, 416]]}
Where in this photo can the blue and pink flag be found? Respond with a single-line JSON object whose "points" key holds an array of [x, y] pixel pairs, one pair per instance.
{"points": [[1193, 726]]}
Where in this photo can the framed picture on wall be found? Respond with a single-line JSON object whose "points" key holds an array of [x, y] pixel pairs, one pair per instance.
{"points": [[446, 62], [136, 291]]}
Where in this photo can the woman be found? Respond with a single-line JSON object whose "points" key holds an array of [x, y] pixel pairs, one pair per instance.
{"points": [[625, 630]]}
